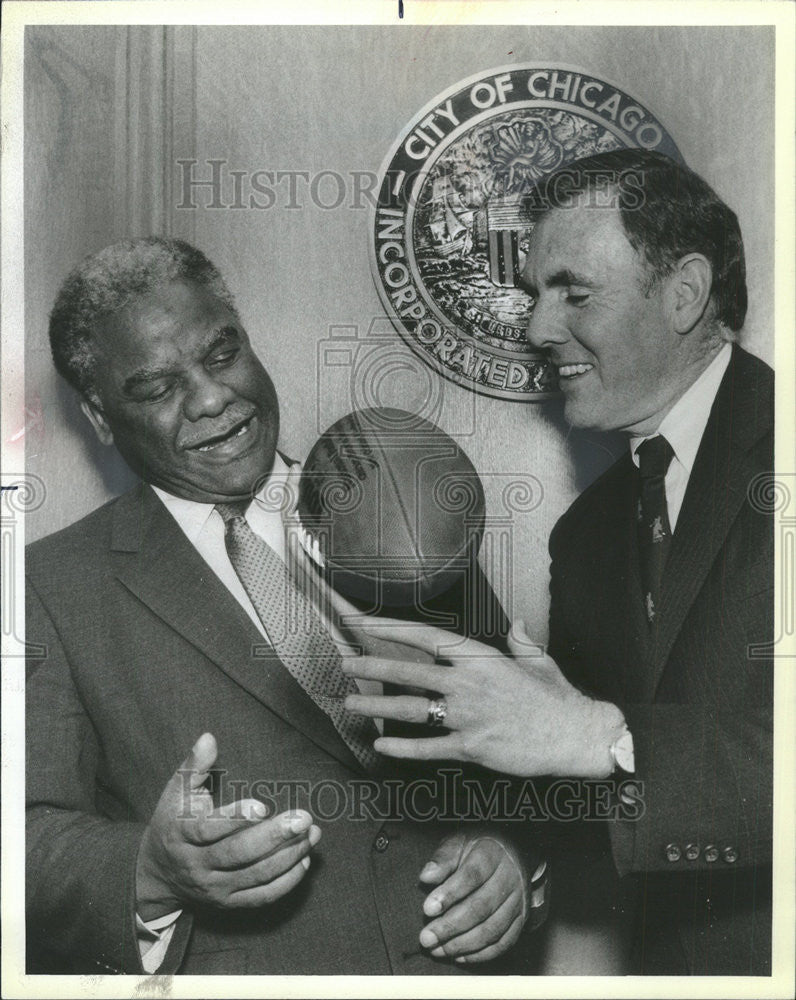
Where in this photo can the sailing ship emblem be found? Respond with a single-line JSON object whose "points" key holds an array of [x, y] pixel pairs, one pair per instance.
{"points": [[451, 221]]}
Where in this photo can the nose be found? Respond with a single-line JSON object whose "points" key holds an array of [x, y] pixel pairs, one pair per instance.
{"points": [[206, 396], [546, 326]]}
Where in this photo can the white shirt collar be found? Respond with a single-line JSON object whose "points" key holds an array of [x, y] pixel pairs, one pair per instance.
{"points": [[192, 516], [684, 425]]}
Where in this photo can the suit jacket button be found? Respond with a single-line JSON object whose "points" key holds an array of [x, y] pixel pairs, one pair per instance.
{"points": [[711, 853], [381, 843], [692, 851], [673, 852], [730, 855]]}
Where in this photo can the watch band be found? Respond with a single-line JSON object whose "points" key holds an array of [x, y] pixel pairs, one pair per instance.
{"points": [[538, 896]]}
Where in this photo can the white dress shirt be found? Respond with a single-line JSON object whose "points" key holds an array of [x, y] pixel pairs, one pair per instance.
{"points": [[203, 526], [683, 427]]}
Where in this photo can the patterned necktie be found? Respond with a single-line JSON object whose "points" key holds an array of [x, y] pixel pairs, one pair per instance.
{"points": [[296, 631], [654, 533]]}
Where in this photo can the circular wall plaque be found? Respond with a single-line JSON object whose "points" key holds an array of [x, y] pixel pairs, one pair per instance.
{"points": [[451, 229]]}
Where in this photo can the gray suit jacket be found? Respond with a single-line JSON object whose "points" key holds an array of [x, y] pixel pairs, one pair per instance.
{"points": [[143, 650]]}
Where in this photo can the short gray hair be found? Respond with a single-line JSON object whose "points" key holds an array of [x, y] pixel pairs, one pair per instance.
{"points": [[106, 282]]}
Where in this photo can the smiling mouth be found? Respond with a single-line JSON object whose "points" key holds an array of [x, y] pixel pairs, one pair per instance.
{"points": [[236, 431], [569, 372]]}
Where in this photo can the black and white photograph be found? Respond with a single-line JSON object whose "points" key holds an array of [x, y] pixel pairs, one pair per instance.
{"points": [[398, 499]]}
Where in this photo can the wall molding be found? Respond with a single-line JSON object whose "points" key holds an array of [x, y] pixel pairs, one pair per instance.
{"points": [[154, 126]]}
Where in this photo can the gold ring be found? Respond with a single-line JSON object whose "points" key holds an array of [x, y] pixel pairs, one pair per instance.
{"points": [[437, 710]]}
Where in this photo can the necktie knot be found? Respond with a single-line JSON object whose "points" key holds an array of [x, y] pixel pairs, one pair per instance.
{"points": [[654, 456], [230, 511]]}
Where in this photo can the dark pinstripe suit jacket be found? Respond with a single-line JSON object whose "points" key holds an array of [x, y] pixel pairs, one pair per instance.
{"points": [[698, 698]]}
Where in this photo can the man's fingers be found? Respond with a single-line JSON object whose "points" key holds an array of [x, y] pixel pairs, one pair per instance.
{"points": [[243, 809], [436, 641], [422, 675], [435, 748], [445, 860], [477, 906], [261, 895], [254, 843], [405, 708], [477, 864], [266, 870], [473, 924], [209, 825], [193, 771], [228, 820], [249, 846], [492, 951]]}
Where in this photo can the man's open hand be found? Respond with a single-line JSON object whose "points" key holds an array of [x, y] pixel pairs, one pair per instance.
{"points": [[232, 856], [480, 901], [517, 714]]}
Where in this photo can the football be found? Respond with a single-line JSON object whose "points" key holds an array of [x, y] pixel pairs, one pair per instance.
{"points": [[392, 505]]}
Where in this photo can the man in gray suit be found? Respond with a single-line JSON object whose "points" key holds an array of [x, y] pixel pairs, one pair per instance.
{"points": [[163, 620]]}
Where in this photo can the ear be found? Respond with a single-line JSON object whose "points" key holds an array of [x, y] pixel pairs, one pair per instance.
{"points": [[689, 286], [97, 420]]}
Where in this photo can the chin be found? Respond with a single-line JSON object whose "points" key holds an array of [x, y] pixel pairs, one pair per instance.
{"points": [[253, 474], [589, 418], [577, 417]]}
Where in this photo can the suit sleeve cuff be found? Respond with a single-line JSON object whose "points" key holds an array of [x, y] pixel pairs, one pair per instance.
{"points": [[154, 938], [701, 789]]}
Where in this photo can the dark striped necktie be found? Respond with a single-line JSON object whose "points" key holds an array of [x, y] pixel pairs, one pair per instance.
{"points": [[296, 631], [654, 532]]}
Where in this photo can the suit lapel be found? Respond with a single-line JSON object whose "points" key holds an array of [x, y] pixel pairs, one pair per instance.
{"points": [[715, 495], [161, 568], [606, 568]]}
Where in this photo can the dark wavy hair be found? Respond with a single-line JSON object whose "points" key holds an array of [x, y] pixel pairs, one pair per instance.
{"points": [[106, 282], [667, 211]]}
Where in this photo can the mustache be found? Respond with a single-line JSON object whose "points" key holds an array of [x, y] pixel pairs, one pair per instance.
{"points": [[215, 429]]}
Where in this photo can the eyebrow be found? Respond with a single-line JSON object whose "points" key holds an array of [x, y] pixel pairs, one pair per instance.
{"points": [[143, 376], [561, 279], [566, 277]]}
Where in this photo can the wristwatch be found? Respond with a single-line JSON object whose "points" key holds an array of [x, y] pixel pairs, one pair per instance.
{"points": [[622, 753]]}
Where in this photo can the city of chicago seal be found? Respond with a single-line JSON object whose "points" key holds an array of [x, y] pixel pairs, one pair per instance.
{"points": [[451, 223]]}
